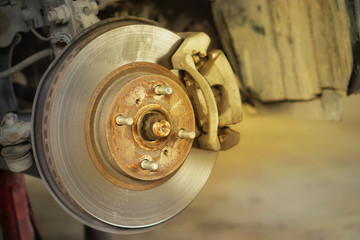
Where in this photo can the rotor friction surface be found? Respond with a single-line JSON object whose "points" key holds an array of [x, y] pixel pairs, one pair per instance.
{"points": [[64, 132]]}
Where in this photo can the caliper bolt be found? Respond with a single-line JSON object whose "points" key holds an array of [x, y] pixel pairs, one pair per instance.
{"points": [[149, 165], [186, 134], [120, 120], [86, 10], [163, 90], [60, 14]]}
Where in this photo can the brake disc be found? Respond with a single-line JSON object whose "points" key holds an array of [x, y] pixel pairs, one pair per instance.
{"points": [[106, 142]]}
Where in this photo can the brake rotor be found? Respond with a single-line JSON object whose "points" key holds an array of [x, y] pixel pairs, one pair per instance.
{"points": [[108, 124]]}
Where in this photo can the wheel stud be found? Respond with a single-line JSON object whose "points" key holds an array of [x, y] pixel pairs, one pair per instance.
{"points": [[120, 120], [163, 90], [185, 134], [149, 165]]}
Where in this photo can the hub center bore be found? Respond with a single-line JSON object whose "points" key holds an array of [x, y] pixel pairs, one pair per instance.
{"points": [[155, 127]]}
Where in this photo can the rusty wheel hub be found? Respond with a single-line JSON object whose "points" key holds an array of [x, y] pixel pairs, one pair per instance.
{"points": [[143, 106]]}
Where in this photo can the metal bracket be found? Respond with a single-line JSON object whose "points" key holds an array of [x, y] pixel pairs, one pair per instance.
{"points": [[15, 137], [211, 84]]}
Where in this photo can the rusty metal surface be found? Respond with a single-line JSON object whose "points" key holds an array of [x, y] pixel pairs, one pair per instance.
{"points": [[13, 131], [116, 150], [59, 132], [161, 128]]}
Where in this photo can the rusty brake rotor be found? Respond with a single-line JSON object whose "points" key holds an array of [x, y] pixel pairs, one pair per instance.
{"points": [[113, 129]]}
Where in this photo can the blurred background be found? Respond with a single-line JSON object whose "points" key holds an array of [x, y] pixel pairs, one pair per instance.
{"points": [[287, 179]]}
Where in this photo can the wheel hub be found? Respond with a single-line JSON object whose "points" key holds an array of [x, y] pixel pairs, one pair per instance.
{"points": [[134, 116]]}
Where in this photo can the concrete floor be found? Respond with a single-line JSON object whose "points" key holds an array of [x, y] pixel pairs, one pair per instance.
{"points": [[288, 179]]}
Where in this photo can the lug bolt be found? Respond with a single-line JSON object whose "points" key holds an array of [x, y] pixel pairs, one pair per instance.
{"points": [[163, 90], [149, 165], [60, 14], [161, 128], [185, 134], [86, 10], [120, 120]]}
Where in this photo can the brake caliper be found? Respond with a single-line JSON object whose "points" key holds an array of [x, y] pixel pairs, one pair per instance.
{"points": [[213, 90]]}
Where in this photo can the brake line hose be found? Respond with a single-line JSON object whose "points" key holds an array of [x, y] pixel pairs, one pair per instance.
{"points": [[26, 62]]}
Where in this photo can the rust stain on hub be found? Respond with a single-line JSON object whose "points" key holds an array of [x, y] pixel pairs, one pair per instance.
{"points": [[117, 151], [161, 128]]}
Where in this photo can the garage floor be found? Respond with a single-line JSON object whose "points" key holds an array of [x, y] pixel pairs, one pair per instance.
{"points": [[288, 179]]}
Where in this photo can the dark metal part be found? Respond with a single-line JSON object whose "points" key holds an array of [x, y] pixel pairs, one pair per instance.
{"points": [[228, 138], [24, 117], [60, 14], [15, 136], [13, 131], [34, 16], [67, 19], [31, 171], [18, 157]]}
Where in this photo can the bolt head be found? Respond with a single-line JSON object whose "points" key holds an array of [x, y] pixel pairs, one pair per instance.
{"points": [[52, 16], [87, 10], [161, 128]]}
